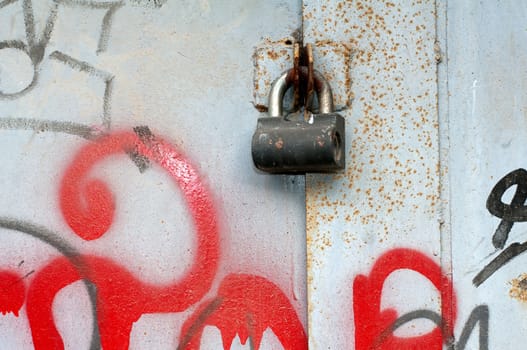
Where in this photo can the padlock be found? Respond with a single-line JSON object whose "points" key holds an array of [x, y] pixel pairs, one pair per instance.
{"points": [[283, 146]]}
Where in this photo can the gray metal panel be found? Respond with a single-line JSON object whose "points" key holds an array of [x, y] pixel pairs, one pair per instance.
{"points": [[481, 123], [487, 66], [185, 70]]}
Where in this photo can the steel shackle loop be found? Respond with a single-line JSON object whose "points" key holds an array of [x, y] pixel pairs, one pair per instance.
{"points": [[280, 86]]}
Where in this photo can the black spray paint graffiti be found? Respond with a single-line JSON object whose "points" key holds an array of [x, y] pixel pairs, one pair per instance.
{"points": [[509, 214], [479, 315], [35, 46], [66, 250], [71, 128], [87, 68]]}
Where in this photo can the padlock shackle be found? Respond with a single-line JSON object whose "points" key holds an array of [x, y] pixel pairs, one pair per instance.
{"points": [[280, 86], [276, 95]]}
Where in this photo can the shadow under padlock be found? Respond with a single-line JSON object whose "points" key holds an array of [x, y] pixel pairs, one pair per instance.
{"points": [[283, 146]]}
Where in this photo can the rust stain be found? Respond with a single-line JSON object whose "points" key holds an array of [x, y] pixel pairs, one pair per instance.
{"points": [[518, 289], [260, 108], [274, 55], [271, 58], [392, 166]]}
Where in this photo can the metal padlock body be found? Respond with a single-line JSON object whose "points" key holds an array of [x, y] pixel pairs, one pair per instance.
{"points": [[282, 146], [287, 146]]}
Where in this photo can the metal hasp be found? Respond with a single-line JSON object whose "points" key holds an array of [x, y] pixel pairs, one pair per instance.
{"points": [[283, 146]]}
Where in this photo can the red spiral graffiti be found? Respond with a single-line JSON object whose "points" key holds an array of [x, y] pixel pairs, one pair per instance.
{"points": [[88, 207]]}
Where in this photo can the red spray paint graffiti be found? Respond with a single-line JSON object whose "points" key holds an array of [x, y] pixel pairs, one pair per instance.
{"points": [[247, 304], [12, 292], [88, 207], [374, 327]]}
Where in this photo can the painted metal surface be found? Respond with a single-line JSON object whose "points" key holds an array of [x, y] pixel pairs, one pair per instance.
{"points": [[374, 230], [420, 243], [183, 242], [487, 59]]}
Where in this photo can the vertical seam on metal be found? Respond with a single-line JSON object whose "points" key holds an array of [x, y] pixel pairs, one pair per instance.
{"points": [[443, 109]]}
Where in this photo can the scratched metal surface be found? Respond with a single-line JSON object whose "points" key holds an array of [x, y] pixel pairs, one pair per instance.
{"points": [[386, 206], [72, 70], [487, 60]]}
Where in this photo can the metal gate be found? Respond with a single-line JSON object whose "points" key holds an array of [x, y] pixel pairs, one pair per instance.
{"points": [[132, 215]]}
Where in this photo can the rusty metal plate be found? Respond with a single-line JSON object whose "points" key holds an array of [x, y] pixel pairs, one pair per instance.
{"points": [[271, 59], [368, 225]]}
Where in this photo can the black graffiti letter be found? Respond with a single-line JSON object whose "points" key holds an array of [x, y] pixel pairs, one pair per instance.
{"points": [[479, 315], [509, 214]]}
